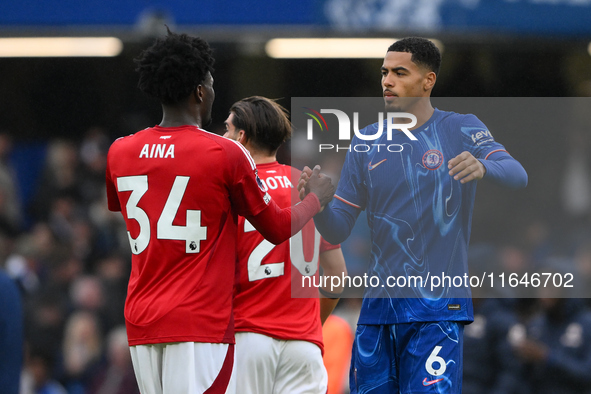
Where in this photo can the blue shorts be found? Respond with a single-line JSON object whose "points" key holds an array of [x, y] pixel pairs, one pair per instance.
{"points": [[423, 357]]}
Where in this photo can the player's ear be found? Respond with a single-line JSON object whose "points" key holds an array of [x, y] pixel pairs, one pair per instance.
{"points": [[242, 137], [198, 93], [429, 81]]}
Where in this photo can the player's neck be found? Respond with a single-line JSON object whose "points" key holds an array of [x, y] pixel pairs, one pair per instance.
{"points": [[422, 109], [260, 156], [424, 114], [263, 158], [175, 117]]}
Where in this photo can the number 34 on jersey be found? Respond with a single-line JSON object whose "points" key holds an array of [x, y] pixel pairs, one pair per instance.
{"points": [[192, 233]]}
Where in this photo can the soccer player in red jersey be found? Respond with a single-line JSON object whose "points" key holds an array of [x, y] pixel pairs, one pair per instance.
{"points": [[278, 336], [180, 189]]}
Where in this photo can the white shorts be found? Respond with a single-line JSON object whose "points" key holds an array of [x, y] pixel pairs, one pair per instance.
{"points": [[265, 365], [184, 367]]}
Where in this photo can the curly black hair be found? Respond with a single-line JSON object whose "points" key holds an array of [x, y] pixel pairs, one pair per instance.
{"points": [[265, 122], [172, 68], [424, 52]]}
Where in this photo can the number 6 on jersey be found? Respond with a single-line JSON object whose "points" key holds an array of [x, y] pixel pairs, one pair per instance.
{"points": [[433, 360], [193, 233]]}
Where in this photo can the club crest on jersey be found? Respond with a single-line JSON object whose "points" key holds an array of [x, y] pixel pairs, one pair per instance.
{"points": [[432, 159]]}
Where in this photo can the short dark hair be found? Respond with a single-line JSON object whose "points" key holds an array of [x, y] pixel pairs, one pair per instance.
{"points": [[265, 122], [424, 52], [172, 68]]}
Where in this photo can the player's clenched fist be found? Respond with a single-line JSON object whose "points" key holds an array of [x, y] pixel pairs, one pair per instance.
{"points": [[465, 168], [312, 181]]}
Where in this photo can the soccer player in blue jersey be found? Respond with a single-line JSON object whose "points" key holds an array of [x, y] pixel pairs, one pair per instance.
{"points": [[419, 200]]}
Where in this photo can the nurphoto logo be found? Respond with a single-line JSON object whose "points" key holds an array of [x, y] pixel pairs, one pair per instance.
{"points": [[344, 133], [345, 124]]}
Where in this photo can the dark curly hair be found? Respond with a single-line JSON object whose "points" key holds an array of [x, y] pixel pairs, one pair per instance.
{"points": [[424, 52], [265, 122], [172, 68]]}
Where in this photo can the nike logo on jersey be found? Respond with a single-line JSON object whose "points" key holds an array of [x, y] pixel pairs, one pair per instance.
{"points": [[430, 382], [372, 166]]}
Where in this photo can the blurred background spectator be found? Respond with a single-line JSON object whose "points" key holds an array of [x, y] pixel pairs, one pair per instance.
{"points": [[489, 364], [82, 350], [37, 377], [557, 349], [338, 342], [115, 375], [11, 220]]}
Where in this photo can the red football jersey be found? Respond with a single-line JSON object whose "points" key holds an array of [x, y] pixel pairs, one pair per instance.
{"points": [[180, 190], [267, 274]]}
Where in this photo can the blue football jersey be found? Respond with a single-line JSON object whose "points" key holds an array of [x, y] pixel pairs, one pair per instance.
{"points": [[419, 217]]}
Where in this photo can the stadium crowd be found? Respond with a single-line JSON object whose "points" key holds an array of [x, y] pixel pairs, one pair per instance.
{"points": [[70, 259]]}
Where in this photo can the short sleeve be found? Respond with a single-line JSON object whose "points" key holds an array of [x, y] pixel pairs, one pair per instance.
{"points": [[477, 139], [325, 246], [248, 194]]}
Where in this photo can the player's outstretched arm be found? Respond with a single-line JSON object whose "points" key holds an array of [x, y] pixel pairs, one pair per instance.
{"points": [[333, 265], [278, 225], [499, 166], [336, 220]]}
